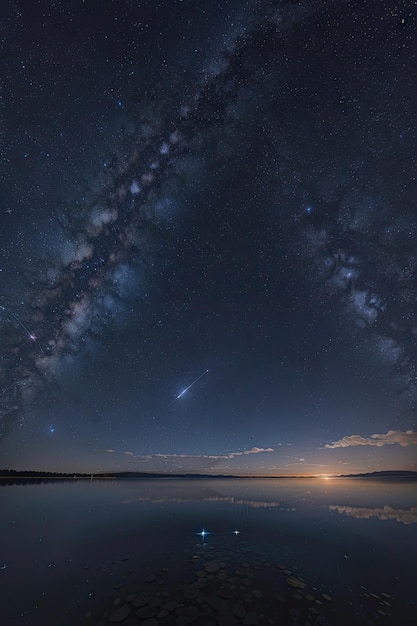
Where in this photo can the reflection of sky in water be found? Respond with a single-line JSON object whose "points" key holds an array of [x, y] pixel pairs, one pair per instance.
{"points": [[74, 538], [256, 504], [403, 516]]}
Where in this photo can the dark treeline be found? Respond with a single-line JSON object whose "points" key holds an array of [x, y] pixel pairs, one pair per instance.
{"points": [[6, 473]]}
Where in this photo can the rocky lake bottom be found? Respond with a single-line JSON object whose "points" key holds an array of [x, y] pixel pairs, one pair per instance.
{"points": [[225, 585]]}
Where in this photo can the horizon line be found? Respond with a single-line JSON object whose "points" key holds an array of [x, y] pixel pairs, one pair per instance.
{"points": [[4, 473]]}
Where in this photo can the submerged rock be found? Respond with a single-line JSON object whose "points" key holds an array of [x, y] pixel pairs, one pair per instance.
{"points": [[147, 611], [251, 619], [226, 619], [191, 613], [296, 582], [217, 603], [212, 567], [150, 578], [238, 609], [140, 601], [119, 615], [190, 592]]}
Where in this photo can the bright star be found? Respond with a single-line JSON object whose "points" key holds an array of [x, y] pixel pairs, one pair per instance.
{"points": [[203, 533], [236, 532]]}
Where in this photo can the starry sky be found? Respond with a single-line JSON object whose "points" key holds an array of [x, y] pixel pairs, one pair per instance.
{"points": [[215, 198]]}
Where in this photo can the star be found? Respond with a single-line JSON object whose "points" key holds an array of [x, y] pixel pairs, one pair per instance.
{"points": [[236, 532]]}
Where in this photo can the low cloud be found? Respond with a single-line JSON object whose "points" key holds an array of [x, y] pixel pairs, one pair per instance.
{"points": [[208, 457], [126, 453], [399, 437], [215, 457]]}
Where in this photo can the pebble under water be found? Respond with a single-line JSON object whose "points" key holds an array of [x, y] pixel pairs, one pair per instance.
{"points": [[230, 584]]}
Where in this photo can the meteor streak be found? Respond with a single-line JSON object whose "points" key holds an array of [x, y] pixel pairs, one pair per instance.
{"points": [[17, 319], [181, 394], [189, 386]]}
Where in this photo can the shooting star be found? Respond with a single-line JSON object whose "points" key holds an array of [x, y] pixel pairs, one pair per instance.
{"points": [[181, 394], [189, 386], [17, 319]]}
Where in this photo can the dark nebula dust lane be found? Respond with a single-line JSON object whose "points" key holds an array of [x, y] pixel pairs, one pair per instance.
{"points": [[230, 189]]}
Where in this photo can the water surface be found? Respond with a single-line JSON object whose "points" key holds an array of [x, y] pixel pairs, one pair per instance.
{"points": [[75, 548]]}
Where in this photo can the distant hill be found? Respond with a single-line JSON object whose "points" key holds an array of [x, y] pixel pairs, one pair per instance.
{"points": [[137, 475], [387, 474]]}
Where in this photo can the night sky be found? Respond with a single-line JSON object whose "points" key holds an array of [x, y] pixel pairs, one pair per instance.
{"points": [[219, 196]]}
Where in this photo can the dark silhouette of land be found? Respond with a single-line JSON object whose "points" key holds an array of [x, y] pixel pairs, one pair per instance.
{"points": [[387, 474], [29, 475]]}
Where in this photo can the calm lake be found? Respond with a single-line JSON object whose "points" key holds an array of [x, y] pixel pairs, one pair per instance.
{"points": [[277, 552]]}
